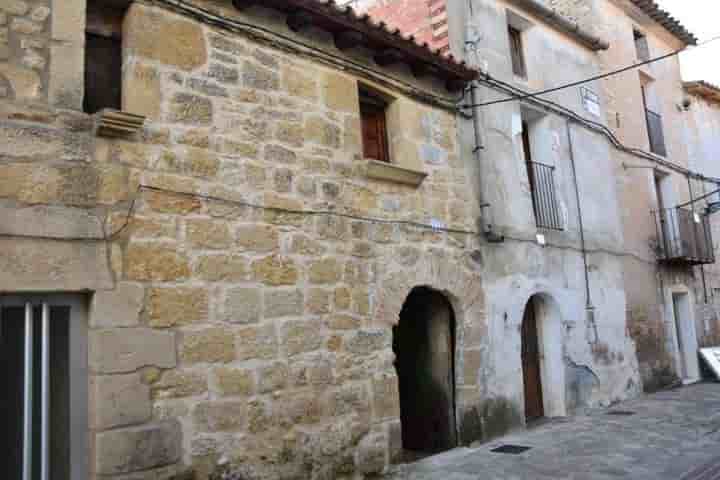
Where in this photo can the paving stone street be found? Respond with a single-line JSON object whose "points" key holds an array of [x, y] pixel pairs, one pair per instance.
{"points": [[672, 435]]}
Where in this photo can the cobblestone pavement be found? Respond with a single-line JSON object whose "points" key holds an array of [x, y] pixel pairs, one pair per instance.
{"points": [[672, 435]]}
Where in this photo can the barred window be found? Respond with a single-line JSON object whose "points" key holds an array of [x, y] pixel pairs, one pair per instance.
{"points": [[542, 188]]}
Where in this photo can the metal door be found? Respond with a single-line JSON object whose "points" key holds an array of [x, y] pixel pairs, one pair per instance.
{"points": [[531, 364]]}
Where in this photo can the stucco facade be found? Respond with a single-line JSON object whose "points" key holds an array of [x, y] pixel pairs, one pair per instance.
{"points": [[590, 359], [702, 136], [647, 186]]}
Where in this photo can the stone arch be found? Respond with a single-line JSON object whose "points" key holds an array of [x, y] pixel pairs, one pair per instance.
{"points": [[424, 347], [550, 338], [463, 290]]}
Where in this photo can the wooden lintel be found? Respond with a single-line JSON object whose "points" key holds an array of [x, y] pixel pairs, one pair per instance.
{"points": [[348, 39], [298, 20], [454, 84], [421, 69], [389, 57]]}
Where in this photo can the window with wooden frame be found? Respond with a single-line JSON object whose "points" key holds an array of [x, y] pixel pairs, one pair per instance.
{"points": [[373, 110], [516, 52], [103, 58]]}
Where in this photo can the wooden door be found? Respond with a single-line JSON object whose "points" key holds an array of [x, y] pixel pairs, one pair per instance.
{"points": [[531, 364]]}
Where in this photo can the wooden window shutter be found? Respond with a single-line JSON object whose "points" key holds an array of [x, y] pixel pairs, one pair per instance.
{"points": [[516, 52], [374, 131]]}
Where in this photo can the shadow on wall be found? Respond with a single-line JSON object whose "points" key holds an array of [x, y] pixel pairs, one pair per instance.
{"points": [[491, 419]]}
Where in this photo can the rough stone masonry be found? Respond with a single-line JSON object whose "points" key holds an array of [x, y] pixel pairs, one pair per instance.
{"points": [[221, 334]]}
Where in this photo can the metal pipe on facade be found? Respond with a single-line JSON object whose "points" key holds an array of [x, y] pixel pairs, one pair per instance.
{"points": [[588, 299], [28, 392]]}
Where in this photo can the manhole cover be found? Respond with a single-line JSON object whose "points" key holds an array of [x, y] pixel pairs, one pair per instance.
{"points": [[623, 413], [512, 449]]}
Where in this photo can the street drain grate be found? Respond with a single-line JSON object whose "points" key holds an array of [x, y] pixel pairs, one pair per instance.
{"points": [[511, 449], [622, 413]]}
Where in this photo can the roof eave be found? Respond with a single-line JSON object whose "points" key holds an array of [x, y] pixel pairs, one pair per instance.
{"points": [[391, 46]]}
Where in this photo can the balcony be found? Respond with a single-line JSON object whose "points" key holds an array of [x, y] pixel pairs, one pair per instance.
{"points": [[684, 237]]}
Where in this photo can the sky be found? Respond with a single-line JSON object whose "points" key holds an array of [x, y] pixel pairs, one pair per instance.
{"points": [[702, 17]]}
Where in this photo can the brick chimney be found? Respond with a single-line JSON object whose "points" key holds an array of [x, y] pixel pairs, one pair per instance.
{"points": [[426, 19]]}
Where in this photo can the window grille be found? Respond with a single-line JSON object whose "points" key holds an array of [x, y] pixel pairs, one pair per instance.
{"points": [[544, 197], [43, 352]]}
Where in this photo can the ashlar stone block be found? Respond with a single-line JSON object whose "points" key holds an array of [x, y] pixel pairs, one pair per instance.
{"points": [[120, 307], [209, 345], [158, 35], [121, 350], [134, 449], [119, 400]]}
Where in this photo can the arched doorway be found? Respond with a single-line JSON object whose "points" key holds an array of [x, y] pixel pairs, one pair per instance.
{"points": [[424, 346], [530, 356]]}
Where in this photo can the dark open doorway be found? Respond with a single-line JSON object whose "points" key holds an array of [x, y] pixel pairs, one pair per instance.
{"points": [[530, 355], [424, 346]]}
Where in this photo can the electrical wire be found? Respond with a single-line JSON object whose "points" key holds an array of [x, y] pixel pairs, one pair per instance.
{"points": [[141, 188], [593, 125], [591, 79]]}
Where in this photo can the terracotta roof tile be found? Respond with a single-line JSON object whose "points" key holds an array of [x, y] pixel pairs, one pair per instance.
{"points": [[670, 23]]}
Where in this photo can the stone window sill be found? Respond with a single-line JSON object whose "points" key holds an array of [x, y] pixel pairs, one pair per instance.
{"points": [[393, 173], [114, 123]]}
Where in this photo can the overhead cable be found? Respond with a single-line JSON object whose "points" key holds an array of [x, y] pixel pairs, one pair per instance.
{"points": [[589, 79]]}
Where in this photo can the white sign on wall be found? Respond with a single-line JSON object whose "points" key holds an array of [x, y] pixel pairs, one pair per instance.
{"points": [[712, 358], [590, 101]]}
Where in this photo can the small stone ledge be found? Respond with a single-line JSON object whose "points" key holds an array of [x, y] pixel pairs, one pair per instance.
{"points": [[393, 173], [114, 123]]}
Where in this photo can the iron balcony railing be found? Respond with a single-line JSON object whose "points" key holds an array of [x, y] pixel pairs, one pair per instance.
{"points": [[684, 236], [655, 133], [545, 204]]}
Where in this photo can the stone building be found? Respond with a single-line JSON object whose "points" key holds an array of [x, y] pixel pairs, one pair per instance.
{"points": [[551, 260], [702, 136], [219, 271], [657, 169], [275, 240], [665, 233]]}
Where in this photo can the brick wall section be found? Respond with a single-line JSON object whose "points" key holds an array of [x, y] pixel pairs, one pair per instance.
{"points": [[426, 19]]}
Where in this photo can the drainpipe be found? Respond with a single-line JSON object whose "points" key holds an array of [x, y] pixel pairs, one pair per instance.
{"points": [[589, 308], [485, 212]]}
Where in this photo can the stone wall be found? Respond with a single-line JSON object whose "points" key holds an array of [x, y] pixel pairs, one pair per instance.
{"points": [[24, 49], [226, 327]]}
